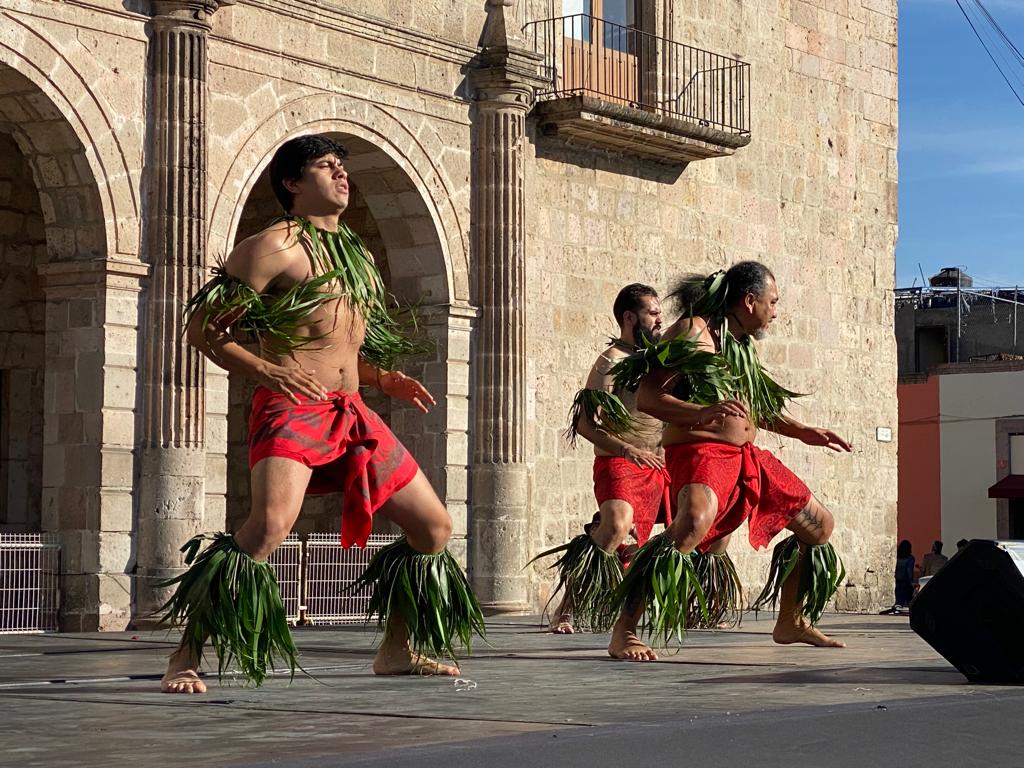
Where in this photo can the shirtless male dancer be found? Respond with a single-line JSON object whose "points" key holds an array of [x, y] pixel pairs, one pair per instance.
{"points": [[309, 429], [630, 482], [719, 478]]}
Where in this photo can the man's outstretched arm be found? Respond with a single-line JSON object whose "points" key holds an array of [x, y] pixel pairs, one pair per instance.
{"points": [[787, 426]]}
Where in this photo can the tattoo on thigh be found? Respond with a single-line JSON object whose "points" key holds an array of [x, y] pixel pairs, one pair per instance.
{"points": [[685, 494], [809, 519], [712, 500]]}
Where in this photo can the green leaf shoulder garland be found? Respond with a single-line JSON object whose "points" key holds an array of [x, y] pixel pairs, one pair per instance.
{"points": [[342, 267]]}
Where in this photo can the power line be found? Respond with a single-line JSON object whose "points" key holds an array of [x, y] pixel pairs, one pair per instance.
{"points": [[999, 31], [989, 50], [994, 45]]}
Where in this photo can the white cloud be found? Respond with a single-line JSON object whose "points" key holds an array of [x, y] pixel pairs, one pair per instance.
{"points": [[955, 142], [1007, 166]]}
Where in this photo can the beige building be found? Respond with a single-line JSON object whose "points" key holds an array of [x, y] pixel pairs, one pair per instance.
{"points": [[962, 463], [514, 163]]}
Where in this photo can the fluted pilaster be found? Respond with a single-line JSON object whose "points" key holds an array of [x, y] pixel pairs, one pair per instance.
{"points": [[503, 82], [172, 456]]}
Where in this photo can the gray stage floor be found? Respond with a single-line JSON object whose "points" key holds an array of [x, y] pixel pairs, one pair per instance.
{"points": [[728, 698]]}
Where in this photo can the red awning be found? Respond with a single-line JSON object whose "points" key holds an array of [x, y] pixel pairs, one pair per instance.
{"points": [[1010, 487]]}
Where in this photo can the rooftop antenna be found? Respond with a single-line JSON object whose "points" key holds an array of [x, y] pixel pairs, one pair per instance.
{"points": [[959, 270]]}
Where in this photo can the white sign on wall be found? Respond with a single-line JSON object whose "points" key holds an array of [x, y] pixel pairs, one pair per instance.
{"points": [[1017, 454]]}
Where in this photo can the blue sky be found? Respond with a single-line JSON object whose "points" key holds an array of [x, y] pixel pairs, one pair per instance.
{"points": [[961, 147]]}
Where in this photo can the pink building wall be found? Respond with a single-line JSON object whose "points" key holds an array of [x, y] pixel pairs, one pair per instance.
{"points": [[919, 499]]}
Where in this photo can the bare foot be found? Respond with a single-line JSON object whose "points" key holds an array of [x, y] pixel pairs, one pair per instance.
{"points": [[561, 622], [404, 662], [625, 645], [181, 675], [804, 633], [562, 625]]}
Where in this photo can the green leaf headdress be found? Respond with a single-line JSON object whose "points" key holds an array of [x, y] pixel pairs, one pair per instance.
{"points": [[703, 296]]}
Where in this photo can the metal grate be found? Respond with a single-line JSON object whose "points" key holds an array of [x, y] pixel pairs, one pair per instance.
{"points": [[29, 583], [286, 561], [587, 55], [330, 570]]}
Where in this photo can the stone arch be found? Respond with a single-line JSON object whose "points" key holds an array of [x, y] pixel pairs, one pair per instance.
{"points": [[408, 152], [402, 205], [81, 277], [79, 144]]}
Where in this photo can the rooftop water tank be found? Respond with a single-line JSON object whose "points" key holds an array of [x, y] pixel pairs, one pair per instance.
{"points": [[946, 278]]}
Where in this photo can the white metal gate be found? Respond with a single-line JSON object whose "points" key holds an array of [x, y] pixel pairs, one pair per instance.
{"points": [[315, 577], [330, 572], [286, 561], [29, 583]]}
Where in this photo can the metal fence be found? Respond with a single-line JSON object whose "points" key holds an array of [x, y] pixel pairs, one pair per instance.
{"points": [[314, 576], [330, 571], [29, 583], [286, 561], [587, 55]]}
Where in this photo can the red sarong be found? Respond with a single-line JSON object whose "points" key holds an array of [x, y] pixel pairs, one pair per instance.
{"points": [[750, 483], [643, 488], [349, 447]]}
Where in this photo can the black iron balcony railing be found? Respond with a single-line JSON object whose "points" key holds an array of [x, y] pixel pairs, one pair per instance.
{"points": [[589, 56]]}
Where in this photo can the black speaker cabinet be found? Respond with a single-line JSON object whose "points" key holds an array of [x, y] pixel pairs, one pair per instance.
{"points": [[972, 612]]}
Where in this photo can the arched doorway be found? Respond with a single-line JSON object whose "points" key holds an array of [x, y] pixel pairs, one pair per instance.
{"points": [[22, 343], [66, 443]]}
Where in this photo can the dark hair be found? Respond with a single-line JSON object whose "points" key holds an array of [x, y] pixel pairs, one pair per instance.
{"points": [[937, 547], [692, 293], [630, 300], [961, 544], [292, 158], [746, 277], [904, 549]]}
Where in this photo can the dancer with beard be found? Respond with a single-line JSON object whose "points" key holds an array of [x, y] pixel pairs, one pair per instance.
{"points": [[705, 382], [630, 482]]}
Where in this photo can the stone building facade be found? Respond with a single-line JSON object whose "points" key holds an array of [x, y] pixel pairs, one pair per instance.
{"points": [[134, 140]]}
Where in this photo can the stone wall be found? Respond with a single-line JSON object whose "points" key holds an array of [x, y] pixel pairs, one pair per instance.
{"points": [[72, 95], [813, 196]]}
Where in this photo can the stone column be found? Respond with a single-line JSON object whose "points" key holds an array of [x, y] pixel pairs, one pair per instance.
{"points": [[89, 434], [502, 80], [172, 454]]}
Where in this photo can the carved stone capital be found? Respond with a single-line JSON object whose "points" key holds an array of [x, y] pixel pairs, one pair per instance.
{"points": [[502, 88], [186, 13], [73, 279]]}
